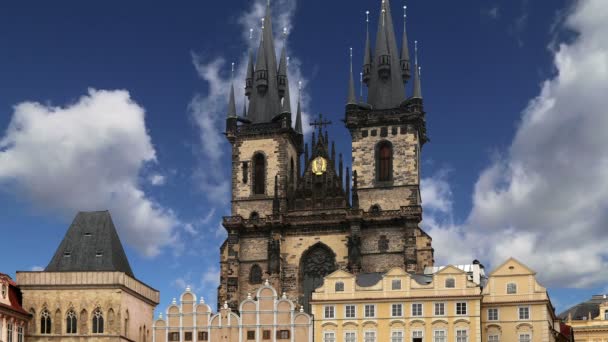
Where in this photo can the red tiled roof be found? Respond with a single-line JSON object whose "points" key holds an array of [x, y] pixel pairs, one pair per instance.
{"points": [[14, 297]]}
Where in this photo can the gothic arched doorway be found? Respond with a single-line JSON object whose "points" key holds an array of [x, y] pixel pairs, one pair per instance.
{"points": [[317, 262]]}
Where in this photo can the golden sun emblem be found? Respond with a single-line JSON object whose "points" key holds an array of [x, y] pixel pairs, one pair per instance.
{"points": [[319, 166]]}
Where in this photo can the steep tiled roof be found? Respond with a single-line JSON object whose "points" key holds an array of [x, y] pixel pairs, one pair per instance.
{"points": [[90, 244]]}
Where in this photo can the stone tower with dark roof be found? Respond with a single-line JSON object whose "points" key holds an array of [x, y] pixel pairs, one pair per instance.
{"points": [[294, 220], [88, 290]]}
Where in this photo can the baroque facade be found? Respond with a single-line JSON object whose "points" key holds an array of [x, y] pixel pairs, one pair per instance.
{"points": [[297, 213], [14, 319], [88, 291], [263, 316], [589, 319], [451, 303]]}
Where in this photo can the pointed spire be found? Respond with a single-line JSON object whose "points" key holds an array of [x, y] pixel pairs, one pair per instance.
{"points": [[382, 53], [352, 98], [347, 190], [367, 53], [386, 88], [231, 101], [250, 69], [340, 168], [417, 86], [245, 107], [298, 127], [265, 102], [405, 51], [282, 72]]}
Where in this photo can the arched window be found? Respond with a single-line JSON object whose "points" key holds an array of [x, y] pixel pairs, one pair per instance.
{"points": [[374, 209], [511, 288], [254, 216], [127, 324], [384, 161], [259, 174], [71, 323], [97, 321], [255, 274], [45, 322], [339, 286], [450, 283]]}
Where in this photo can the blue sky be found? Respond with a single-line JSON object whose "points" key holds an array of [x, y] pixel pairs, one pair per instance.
{"points": [[513, 93]]}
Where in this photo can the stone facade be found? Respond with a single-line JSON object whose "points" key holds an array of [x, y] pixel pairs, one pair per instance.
{"points": [[125, 305], [265, 316], [306, 222]]}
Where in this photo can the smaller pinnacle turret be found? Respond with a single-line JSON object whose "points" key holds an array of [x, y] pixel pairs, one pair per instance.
{"points": [[231, 101], [405, 51], [417, 86], [367, 54], [298, 127], [352, 97], [250, 70]]}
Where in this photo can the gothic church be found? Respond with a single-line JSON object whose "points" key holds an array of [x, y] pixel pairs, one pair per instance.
{"points": [[297, 212]]}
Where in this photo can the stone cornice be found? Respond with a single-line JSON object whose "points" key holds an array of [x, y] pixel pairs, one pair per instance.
{"points": [[87, 280]]}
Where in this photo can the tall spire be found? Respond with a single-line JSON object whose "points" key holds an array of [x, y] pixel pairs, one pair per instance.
{"points": [[298, 127], [287, 95], [405, 51], [367, 54], [417, 87], [265, 102], [250, 70], [282, 72], [386, 88], [352, 97], [231, 101]]}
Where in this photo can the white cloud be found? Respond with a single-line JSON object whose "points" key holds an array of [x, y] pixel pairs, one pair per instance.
{"points": [[87, 156], [37, 269], [546, 201], [157, 179], [209, 110]]}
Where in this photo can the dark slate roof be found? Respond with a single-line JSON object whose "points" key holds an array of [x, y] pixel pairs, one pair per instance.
{"points": [[91, 244], [581, 311], [368, 279]]}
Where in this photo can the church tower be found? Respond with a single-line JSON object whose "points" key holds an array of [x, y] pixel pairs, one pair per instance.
{"points": [[297, 213], [388, 132]]}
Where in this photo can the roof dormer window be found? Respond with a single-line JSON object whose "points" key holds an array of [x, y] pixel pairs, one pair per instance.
{"points": [[67, 254]]}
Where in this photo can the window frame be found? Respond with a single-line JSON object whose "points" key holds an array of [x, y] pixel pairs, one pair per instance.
{"points": [[71, 322], [513, 286], [519, 336], [379, 159], [332, 309], [255, 175], [97, 321], [491, 338], [459, 308], [9, 332], [393, 337], [466, 334], [444, 338], [339, 286], [396, 281], [413, 312], [346, 339], [327, 338], [397, 305], [45, 322], [529, 313], [371, 331], [373, 308], [354, 311], [20, 334], [435, 305], [490, 317], [450, 281]]}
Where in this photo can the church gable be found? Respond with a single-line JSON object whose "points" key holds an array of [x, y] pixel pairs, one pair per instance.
{"points": [[321, 185]]}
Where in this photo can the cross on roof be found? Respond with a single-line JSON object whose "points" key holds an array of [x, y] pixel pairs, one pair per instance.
{"points": [[320, 123]]}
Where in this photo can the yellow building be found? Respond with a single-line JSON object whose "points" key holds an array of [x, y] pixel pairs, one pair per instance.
{"points": [[451, 303], [516, 307], [263, 316], [589, 320], [398, 306]]}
